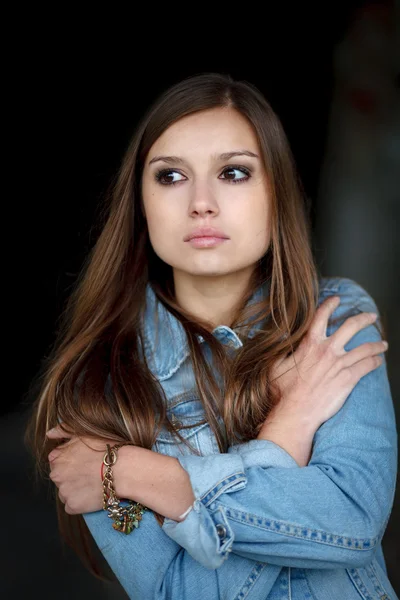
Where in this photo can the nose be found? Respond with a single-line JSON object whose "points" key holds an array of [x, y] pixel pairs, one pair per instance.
{"points": [[202, 201]]}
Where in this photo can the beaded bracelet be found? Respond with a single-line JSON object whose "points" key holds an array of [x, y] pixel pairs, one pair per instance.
{"points": [[125, 518]]}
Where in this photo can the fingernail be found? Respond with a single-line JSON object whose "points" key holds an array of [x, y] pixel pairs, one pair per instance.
{"points": [[372, 316], [385, 345]]}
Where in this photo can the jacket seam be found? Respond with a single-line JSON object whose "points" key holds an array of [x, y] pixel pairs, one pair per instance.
{"points": [[309, 586], [329, 284], [359, 584], [377, 583], [250, 581], [186, 397], [221, 487], [305, 533]]}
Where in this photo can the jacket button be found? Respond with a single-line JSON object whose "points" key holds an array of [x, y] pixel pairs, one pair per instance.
{"points": [[221, 531], [176, 422]]}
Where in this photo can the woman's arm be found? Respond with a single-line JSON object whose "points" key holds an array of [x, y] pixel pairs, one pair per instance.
{"points": [[147, 562], [331, 513], [162, 484], [256, 501], [150, 565]]}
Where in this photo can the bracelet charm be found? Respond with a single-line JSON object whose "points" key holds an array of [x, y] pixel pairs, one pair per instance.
{"points": [[126, 518]]}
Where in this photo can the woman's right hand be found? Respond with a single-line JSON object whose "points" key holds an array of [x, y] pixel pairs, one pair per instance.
{"points": [[317, 378]]}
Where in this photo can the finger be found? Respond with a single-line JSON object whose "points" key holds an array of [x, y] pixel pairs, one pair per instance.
{"points": [[66, 444], [59, 449], [364, 351], [363, 367], [53, 455], [324, 311], [54, 477], [62, 498], [350, 327], [69, 510], [58, 433]]}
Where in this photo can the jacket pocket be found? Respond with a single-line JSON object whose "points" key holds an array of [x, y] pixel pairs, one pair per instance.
{"points": [[187, 415], [372, 582]]}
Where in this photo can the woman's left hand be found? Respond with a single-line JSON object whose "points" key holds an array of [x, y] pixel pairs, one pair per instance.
{"points": [[75, 468]]}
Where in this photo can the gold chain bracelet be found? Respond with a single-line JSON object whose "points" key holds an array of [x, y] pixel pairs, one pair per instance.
{"points": [[125, 518]]}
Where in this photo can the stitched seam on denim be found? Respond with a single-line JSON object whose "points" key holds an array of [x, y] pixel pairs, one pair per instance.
{"points": [[358, 583], [167, 371], [171, 364], [329, 284], [188, 432], [394, 490], [309, 586], [221, 487], [314, 535], [250, 581], [184, 397], [376, 581]]}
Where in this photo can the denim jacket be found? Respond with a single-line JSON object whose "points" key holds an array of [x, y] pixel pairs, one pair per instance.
{"points": [[261, 526]]}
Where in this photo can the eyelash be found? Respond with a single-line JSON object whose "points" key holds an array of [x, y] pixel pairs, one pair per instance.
{"points": [[244, 170]]}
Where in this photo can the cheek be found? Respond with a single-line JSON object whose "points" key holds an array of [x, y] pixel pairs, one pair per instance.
{"points": [[164, 229], [157, 239], [257, 218], [162, 224], [153, 211], [158, 207], [164, 214]]}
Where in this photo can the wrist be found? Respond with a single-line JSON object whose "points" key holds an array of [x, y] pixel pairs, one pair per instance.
{"points": [[293, 436], [123, 473], [155, 480]]}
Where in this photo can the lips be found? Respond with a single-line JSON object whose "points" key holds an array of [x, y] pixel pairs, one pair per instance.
{"points": [[205, 232]]}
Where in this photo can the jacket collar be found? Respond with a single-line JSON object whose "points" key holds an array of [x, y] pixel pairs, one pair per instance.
{"points": [[165, 342]]}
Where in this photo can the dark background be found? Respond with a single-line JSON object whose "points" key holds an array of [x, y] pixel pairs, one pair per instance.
{"points": [[76, 90]]}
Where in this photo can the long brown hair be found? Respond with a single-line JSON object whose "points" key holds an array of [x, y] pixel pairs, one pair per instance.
{"points": [[100, 336]]}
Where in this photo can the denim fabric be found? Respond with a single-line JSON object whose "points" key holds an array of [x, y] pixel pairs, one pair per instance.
{"points": [[261, 526]]}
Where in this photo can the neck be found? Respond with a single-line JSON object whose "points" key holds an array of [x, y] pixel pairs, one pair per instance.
{"points": [[212, 299]]}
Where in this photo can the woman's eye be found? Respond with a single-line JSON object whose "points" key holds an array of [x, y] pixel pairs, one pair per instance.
{"points": [[168, 177], [235, 174]]}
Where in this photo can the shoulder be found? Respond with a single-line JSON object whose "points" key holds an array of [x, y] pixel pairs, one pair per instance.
{"points": [[352, 294], [354, 299]]}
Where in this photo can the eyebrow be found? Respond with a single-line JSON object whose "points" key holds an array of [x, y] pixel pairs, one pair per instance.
{"points": [[224, 156]]}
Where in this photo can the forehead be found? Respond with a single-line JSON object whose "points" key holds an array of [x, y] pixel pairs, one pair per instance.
{"points": [[212, 131]]}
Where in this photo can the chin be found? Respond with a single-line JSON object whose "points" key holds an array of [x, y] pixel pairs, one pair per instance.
{"points": [[209, 273], [209, 270]]}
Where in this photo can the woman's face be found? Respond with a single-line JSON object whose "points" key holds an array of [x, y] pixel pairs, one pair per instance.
{"points": [[205, 170]]}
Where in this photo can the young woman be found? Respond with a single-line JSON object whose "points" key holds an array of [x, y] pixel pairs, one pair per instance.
{"points": [[248, 396]]}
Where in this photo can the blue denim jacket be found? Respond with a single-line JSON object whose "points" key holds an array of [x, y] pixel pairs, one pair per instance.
{"points": [[261, 526]]}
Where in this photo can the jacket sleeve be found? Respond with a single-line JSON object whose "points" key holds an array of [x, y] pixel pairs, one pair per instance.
{"points": [[331, 513], [150, 565]]}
